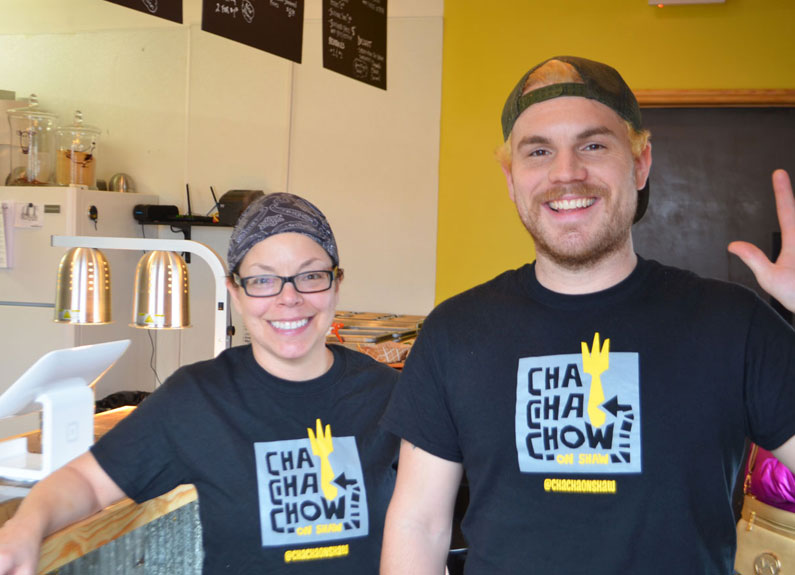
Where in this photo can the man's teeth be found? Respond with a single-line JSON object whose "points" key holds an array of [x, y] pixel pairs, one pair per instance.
{"points": [[577, 203], [289, 324]]}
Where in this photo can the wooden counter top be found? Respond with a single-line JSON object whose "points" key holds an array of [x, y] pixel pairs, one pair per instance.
{"points": [[114, 521]]}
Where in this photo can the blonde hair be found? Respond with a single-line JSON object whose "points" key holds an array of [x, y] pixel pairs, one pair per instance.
{"points": [[559, 72], [552, 72]]}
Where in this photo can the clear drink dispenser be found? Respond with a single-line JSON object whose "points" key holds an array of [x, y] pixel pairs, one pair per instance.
{"points": [[32, 145], [76, 162]]}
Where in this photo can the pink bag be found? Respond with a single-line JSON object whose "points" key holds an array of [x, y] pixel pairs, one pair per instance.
{"points": [[772, 482], [766, 530]]}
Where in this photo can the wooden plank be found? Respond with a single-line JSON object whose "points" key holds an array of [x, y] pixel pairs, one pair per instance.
{"points": [[8, 508], [111, 523], [714, 98], [103, 422]]}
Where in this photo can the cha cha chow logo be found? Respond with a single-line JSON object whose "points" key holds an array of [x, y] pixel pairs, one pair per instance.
{"points": [[311, 489], [579, 412]]}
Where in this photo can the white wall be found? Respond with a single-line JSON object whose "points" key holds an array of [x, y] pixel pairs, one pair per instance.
{"points": [[374, 168], [179, 105], [129, 83]]}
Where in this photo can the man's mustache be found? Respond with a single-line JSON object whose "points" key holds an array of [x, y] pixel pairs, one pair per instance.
{"points": [[573, 191]]}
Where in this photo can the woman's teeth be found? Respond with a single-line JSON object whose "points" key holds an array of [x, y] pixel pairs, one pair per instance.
{"points": [[289, 324]]}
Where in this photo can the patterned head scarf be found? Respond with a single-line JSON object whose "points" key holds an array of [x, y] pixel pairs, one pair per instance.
{"points": [[274, 214]]}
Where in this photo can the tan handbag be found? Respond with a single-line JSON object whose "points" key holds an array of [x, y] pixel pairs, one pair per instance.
{"points": [[765, 535]]}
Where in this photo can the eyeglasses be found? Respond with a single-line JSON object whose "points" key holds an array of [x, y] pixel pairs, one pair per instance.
{"points": [[305, 282]]}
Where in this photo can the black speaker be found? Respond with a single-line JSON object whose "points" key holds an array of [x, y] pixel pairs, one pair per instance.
{"points": [[153, 213]]}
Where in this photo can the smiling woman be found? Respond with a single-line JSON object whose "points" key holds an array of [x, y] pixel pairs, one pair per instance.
{"points": [[285, 256], [280, 437], [288, 326]]}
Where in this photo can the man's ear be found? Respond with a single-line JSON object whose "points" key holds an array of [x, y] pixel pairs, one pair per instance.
{"points": [[506, 170], [642, 167]]}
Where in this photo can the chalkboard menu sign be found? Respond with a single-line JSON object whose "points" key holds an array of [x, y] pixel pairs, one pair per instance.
{"points": [[703, 197], [354, 39], [275, 26], [168, 9]]}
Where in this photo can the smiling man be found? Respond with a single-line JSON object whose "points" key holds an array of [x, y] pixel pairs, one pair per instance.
{"points": [[598, 402]]}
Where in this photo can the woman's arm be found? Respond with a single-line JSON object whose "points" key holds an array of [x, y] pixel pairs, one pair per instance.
{"points": [[77, 490]]}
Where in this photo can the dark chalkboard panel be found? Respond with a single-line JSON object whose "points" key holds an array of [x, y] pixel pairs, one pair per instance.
{"points": [[710, 184], [354, 39], [166, 9], [274, 26]]}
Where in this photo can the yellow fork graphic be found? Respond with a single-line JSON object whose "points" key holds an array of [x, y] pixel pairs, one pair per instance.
{"points": [[595, 363], [322, 447]]}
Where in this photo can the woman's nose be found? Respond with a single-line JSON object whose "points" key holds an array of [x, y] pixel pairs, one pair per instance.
{"points": [[289, 295]]}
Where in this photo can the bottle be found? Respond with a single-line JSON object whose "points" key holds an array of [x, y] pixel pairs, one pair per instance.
{"points": [[76, 163], [32, 145]]}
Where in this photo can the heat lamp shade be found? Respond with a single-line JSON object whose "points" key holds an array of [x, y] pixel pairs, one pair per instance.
{"points": [[83, 288], [161, 292]]}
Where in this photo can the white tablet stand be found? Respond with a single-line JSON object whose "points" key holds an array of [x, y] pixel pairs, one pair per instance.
{"points": [[59, 384]]}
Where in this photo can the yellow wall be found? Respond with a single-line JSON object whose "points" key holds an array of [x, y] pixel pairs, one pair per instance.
{"points": [[742, 44]]}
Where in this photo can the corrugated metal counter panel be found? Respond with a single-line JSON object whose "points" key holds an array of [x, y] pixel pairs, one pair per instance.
{"points": [[169, 545]]}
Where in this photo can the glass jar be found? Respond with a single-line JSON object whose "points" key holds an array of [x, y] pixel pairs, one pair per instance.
{"points": [[32, 145], [76, 160]]}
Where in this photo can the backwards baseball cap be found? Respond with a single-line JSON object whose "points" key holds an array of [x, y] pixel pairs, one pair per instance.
{"points": [[600, 82], [280, 213]]}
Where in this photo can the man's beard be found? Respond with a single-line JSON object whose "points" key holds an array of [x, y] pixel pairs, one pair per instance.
{"points": [[581, 253]]}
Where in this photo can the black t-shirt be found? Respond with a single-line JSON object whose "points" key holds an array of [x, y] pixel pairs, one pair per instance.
{"points": [[599, 433], [273, 497]]}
